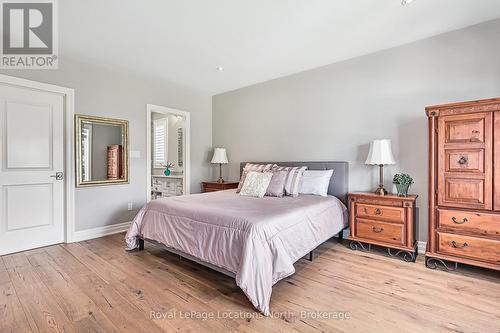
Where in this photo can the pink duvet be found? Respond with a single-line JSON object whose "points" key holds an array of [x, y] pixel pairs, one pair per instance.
{"points": [[258, 239]]}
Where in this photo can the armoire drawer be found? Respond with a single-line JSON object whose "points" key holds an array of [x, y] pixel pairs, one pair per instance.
{"points": [[469, 247], [476, 223]]}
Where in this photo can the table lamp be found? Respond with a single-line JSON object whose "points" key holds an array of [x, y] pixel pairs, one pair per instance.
{"points": [[220, 157], [380, 154]]}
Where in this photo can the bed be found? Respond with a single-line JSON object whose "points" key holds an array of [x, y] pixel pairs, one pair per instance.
{"points": [[254, 240]]}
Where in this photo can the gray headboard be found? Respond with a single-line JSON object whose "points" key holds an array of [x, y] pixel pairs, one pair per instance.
{"points": [[339, 183]]}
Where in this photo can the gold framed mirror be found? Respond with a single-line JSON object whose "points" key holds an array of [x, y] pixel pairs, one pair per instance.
{"points": [[102, 151]]}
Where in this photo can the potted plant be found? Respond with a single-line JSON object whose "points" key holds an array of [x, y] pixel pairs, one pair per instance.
{"points": [[402, 182], [167, 167]]}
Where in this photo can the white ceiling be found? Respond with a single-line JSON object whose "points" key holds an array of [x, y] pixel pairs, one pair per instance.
{"points": [[184, 41]]}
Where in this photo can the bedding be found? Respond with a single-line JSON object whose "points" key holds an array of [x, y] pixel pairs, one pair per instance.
{"points": [[315, 182], [257, 239]]}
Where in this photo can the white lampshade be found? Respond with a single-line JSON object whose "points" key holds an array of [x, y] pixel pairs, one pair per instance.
{"points": [[220, 156], [380, 153]]}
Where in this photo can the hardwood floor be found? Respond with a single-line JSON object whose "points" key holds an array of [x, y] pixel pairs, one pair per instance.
{"points": [[95, 286]]}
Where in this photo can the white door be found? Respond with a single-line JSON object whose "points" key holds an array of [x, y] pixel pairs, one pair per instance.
{"points": [[31, 154]]}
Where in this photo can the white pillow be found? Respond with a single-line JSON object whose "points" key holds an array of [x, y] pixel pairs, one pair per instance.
{"points": [[315, 182], [256, 183]]}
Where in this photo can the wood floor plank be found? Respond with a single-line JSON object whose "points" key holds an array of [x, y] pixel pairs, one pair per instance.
{"points": [[124, 315], [13, 319], [75, 304], [41, 309]]}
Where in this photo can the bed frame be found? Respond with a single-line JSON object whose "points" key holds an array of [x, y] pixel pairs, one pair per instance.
{"points": [[339, 187]]}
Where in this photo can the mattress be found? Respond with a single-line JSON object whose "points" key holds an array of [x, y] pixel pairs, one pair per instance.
{"points": [[257, 239]]}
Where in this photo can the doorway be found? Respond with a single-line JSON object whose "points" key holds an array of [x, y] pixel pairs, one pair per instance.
{"points": [[35, 177], [168, 152]]}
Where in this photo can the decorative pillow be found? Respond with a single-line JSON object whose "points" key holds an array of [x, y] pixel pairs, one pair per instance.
{"points": [[256, 184], [252, 167], [276, 187], [293, 178], [315, 182]]}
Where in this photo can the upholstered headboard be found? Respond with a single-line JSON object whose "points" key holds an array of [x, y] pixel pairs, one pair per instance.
{"points": [[339, 183]]}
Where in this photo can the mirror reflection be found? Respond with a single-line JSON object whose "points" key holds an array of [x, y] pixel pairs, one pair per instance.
{"points": [[102, 151]]}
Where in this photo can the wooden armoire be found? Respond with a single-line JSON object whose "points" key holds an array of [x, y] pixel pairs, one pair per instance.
{"points": [[464, 184]]}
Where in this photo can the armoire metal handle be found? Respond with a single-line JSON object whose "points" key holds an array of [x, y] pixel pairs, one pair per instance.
{"points": [[459, 246], [454, 219], [463, 160]]}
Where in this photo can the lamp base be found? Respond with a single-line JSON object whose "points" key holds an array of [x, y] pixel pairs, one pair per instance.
{"points": [[381, 191], [220, 181]]}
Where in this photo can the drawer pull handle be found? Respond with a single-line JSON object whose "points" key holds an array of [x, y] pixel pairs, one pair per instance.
{"points": [[378, 211], [463, 160], [454, 219], [459, 246], [378, 230]]}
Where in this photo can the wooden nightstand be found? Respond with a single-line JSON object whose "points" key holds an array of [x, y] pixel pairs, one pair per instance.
{"points": [[387, 221], [215, 186]]}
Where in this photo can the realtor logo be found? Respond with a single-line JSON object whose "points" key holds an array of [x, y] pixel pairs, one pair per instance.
{"points": [[29, 34]]}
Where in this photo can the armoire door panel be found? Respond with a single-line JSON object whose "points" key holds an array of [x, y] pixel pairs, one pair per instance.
{"points": [[465, 129], [465, 161], [464, 192]]}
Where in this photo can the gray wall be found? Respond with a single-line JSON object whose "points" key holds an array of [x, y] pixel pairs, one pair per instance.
{"points": [[333, 112], [102, 92]]}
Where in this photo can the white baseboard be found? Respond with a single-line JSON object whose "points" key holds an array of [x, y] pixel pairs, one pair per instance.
{"points": [[422, 246], [107, 230]]}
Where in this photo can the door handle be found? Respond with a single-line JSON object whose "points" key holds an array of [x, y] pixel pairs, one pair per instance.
{"points": [[58, 176]]}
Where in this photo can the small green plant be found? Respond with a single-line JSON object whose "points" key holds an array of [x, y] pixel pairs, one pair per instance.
{"points": [[402, 179], [402, 182]]}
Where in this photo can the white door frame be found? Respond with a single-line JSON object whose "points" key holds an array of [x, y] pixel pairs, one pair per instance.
{"points": [[150, 108], [69, 160]]}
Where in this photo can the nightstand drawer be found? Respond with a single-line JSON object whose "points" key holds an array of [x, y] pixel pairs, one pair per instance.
{"points": [[390, 214], [380, 231]]}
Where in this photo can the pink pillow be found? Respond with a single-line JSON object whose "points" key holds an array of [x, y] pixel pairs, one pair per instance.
{"points": [[276, 187], [292, 182]]}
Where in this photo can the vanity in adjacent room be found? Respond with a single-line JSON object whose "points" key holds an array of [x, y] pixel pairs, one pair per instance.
{"points": [[166, 186]]}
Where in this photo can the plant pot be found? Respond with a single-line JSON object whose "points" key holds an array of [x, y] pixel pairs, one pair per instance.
{"points": [[167, 172], [402, 189]]}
